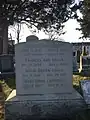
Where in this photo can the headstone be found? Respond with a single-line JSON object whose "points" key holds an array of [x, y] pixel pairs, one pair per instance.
{"points": [[43, 82], [42, 68], [6, 63], [85, 65], [85, 87], [75, 65]]}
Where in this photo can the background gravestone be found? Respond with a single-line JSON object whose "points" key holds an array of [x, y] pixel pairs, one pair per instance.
{"points": [[85, 87], [85, 65], [43, 82], [75, 66], [6, 63]]}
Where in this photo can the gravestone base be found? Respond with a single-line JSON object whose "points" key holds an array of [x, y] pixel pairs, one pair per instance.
{"points": [[54, 106]]}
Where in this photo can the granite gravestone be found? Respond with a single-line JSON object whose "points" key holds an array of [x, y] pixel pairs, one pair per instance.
{"points": [[42, 68], [6, 63], [43, 81], [85, 65], [85, 87], [75, 66]]}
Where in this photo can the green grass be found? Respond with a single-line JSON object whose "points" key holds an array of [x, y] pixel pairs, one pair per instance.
{"points": [[76, 81], [78, 78], [7, 86]]}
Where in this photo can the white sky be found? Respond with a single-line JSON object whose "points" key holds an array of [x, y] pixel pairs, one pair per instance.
{"points": [[71, 35]]}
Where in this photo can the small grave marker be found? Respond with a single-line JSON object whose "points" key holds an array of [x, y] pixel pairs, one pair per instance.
{"points": [[85, 87]]}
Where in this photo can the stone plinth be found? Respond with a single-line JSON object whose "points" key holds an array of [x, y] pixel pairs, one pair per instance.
{"points": [[54, 106]]}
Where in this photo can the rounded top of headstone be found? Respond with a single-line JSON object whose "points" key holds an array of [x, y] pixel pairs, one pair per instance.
{"points": [[31, 38]]}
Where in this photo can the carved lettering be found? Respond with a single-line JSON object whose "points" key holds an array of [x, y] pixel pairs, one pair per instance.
{"points": [[44, 66]]}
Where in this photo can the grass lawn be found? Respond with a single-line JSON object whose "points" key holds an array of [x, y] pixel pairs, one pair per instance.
{"points": [[9, 85]]}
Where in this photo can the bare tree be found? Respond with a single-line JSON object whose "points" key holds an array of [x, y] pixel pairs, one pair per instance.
{"points": [[43, 14]]}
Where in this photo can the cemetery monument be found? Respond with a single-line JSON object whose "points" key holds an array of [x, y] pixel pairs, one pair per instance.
{"points": [[44, 87]]}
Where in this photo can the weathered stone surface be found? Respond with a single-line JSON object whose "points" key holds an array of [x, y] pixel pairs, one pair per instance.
{"points": [[43, 67], [50, 106], [25, 108], [31, 38], [85, 87]]}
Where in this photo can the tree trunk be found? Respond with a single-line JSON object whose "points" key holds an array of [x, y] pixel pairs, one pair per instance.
{"points": [[1, 45], [3, 36]]}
